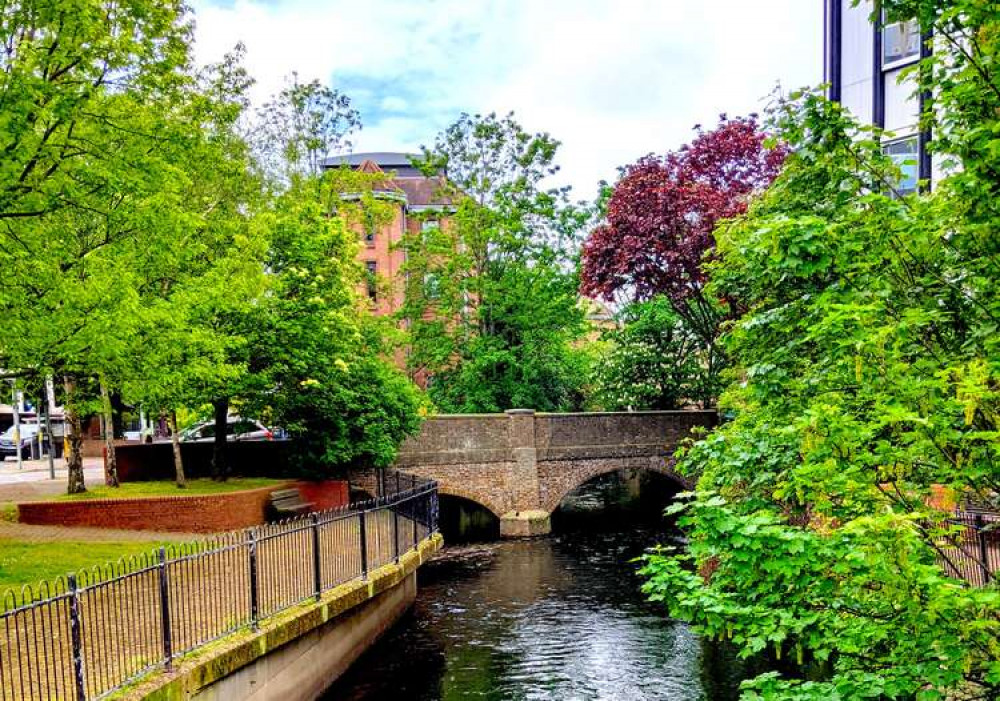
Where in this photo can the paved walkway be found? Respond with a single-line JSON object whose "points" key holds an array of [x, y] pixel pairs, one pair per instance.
{"points": [[32, 482]]}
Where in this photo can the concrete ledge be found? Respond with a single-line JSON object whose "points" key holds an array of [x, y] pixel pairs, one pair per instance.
{"points": [[200, 675]]}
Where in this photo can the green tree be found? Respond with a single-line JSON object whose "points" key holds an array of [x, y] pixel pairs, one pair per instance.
{"points": [[300, 126], [491, 300], [318, 361], [654, 362], [191, 347], [90, 133], [870, 365]]}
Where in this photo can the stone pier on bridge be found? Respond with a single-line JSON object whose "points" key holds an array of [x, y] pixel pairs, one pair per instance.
{"points": [[520, 465]]}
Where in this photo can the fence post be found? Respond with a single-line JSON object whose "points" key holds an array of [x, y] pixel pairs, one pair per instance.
{"points": [[317, 570], [168, 644], [413, 519], [364, 544], [252, 546], [395, 531], [983, 556], [77, 637]]}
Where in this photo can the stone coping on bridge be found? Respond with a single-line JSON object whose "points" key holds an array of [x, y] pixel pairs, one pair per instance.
{"points": [[532, 412], [195, 674]]}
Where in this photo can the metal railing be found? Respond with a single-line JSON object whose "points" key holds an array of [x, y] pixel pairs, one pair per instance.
{"points": [[972, 551], [84, 636]]}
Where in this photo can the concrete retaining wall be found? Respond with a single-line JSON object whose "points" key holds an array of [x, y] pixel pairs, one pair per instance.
{"points": [[296, 656]]}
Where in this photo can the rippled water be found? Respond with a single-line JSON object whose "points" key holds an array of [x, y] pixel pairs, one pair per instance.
{"points": [[556, 618]]}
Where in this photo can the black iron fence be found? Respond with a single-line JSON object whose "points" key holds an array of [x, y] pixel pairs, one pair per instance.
{"points": [[972, 549], [83, 636]]}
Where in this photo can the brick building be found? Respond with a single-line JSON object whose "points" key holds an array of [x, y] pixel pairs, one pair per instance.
{"points": [[416, 201]]}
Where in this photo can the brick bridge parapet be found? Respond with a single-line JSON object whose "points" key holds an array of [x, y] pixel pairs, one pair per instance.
{"points": [[521, 464]]}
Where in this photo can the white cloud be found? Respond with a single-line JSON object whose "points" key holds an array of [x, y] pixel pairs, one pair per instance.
{"points": [[611, 80]]}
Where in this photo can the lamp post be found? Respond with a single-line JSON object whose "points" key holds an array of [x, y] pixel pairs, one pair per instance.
{"points": [[47, 400], [17, 426]]}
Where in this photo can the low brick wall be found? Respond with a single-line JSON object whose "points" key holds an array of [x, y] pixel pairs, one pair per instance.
{"points": [[189, 513], [328, 494], [195, 513]]}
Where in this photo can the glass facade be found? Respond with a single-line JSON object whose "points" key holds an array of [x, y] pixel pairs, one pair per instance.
{"points": [[905, 153], [900, 42]]}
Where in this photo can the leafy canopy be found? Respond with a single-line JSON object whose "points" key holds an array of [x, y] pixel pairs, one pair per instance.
{"points": [[653, 362], [871, 364], [491, 299]]}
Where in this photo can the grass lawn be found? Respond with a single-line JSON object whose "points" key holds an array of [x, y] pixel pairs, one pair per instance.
{"points": [[23, 562], [169, 489]]}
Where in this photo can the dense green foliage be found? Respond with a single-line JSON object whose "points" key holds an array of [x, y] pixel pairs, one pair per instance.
{"points": [[655, 361], [318, 364], [491, 302], [162, 243], [870, 367]]}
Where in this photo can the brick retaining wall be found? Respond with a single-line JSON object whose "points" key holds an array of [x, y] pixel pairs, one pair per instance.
{"points": [[189, 513]]}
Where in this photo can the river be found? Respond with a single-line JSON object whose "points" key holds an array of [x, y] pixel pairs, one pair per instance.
{"points": [[557, 618]]}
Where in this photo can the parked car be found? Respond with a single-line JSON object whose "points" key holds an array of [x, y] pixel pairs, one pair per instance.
{"points": [[237, 429], [7, 446]]}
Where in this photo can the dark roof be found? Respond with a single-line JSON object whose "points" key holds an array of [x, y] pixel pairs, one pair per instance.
{"points": [[422, 191], [386, 160]]}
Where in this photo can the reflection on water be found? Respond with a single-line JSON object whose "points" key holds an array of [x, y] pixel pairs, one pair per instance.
{"points": [[555, 618]]}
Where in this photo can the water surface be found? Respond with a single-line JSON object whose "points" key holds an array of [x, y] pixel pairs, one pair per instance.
{"points": [[558, 618]]}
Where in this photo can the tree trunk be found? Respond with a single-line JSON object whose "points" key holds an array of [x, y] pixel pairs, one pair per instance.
{"points": [[220, 466], [175, 440], [110, 457], [74, 435]]}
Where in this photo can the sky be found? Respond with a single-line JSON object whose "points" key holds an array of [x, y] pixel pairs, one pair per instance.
{"points": [[612, 80]]}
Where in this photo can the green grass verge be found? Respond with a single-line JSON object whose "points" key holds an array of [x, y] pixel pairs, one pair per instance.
{"points": [[24, 562], [169, 489]]}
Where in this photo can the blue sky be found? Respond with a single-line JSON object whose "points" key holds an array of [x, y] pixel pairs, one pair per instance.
{"points": [[611, 79]]}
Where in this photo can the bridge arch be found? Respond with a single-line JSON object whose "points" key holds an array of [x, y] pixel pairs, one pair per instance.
{"points": [[556, 487], [449, 488]]}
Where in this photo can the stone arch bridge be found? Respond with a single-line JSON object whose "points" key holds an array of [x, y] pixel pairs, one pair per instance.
{"points": [[520, 465]]}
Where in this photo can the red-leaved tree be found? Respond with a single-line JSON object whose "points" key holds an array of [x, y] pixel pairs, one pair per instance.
{"points": [[661, 215]]}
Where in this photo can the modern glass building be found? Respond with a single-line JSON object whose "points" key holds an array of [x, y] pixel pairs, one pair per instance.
{"points": [[865, 66]]}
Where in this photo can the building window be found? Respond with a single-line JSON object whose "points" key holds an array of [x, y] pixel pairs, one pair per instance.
{"points": [[432, 286], [371, 269], [370, 226], [429, 225], [905, 153], [900, 43]]}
